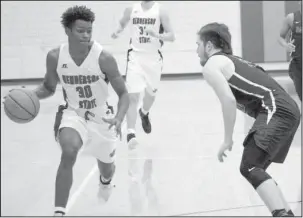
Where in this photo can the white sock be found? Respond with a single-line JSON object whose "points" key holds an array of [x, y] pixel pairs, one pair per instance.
{"points": [[130, 131], [104, 181], [144, 111], [60, 210]]}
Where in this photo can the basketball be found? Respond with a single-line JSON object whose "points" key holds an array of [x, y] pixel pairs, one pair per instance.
{"points": [[21, 105]]}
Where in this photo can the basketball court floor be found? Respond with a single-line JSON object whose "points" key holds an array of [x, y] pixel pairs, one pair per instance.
{"points": [[187, 178]]}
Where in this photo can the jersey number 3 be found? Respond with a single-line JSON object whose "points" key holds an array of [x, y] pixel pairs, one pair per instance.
{"points": [[142, 28], [84, 92]]}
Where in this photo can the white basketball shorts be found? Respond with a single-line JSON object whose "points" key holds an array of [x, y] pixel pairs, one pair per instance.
{"points": [[98, 140], [143, 71]]}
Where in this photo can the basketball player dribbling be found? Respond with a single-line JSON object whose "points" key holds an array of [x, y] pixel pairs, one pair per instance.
{"points": [[241, 84], [150, 26], [293, 23], [84, 69]]}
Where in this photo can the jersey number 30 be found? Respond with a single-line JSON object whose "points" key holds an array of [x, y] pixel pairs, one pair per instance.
{"points": [[84, 92]]}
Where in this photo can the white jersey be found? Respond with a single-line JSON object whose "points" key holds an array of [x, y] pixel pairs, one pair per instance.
{"points": [[85, 87], [142, 20]]}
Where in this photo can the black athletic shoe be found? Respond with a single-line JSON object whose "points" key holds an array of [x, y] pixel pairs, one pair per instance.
{"points": [[290, 213], [281, 213], [146, 125]]}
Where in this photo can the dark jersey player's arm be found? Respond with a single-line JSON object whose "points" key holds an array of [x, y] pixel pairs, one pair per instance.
{"points": [[217, 71], [109, 66], [48, 87]]}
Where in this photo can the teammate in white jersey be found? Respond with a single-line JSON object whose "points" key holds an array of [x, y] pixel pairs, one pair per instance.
{"points": [[150, 26], [84, 70]]}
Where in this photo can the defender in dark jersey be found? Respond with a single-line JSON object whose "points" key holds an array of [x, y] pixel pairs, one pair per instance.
{"points": [[241, 84], [293, 24]]}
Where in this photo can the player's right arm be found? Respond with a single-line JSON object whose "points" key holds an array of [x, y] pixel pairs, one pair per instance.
{"points": [[217, 71], [48, 87], [123, 22], [286, 27]]}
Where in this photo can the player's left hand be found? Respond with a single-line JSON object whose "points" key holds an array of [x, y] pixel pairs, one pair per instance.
{"points": [[151, 33], [114, 122], [227, 145]]}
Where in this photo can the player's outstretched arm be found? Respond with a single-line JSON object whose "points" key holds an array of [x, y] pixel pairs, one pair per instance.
{"points": [[286, 26], [48, 87], [109, 66], [123, 22], [217, 79]]}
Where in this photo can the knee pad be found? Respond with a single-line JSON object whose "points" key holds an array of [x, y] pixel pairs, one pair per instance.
{"points": [[254, 175]]}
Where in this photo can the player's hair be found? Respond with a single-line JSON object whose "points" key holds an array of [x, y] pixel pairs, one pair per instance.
{"points": [[218, 35], [77, 13]]}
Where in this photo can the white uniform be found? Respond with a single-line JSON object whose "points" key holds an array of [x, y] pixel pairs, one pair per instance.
{"points": [[144, 58], [85, 88]]}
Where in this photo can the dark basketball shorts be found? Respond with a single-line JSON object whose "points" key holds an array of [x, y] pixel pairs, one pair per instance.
{"points": [[254, 156], [274, 137]]}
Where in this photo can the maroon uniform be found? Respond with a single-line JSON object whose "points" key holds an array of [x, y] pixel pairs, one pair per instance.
{"points": [[295, 67], [261, 97]]}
